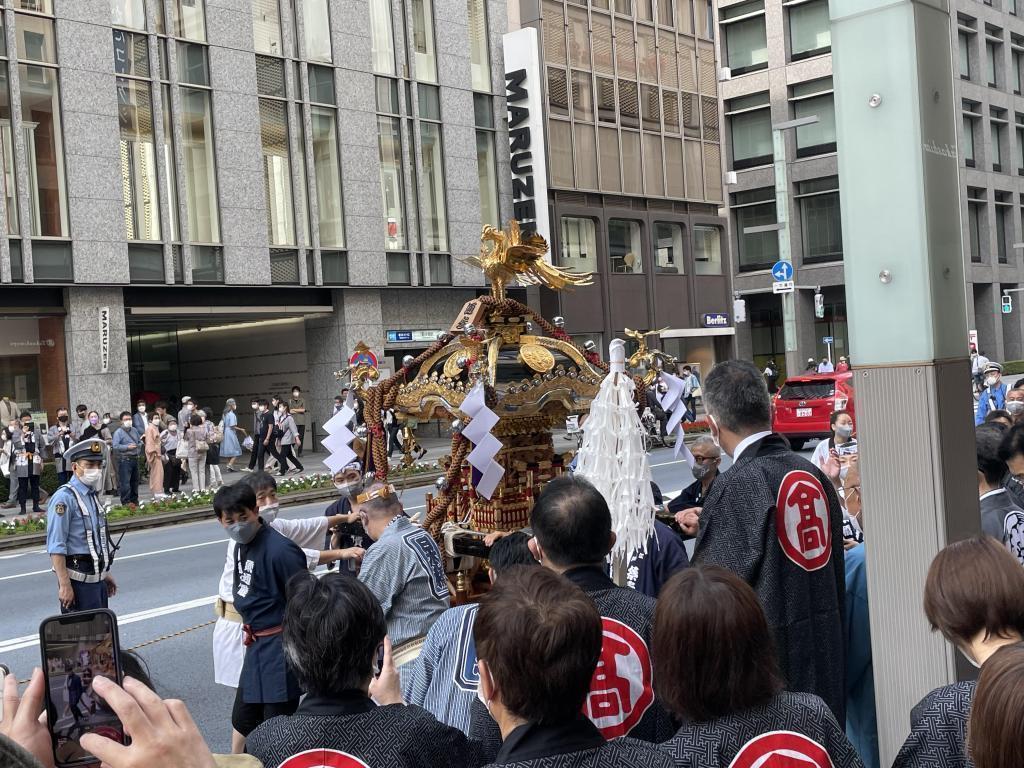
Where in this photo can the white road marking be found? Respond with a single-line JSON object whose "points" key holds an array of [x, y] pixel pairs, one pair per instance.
{"points": [[668, 463], [29, 641], [122, 558]]}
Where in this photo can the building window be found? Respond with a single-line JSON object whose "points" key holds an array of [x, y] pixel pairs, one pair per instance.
{"points": [[486, 161], [171, 183], [316, 26], [382, 39], [440, 265], [479, 56], [578, 244], [145, 263], [140, 187], [434, 213], [964, 41], [200, 170], [207, 264], [668, 248], [188, 19], [266, 27], [820, 222], [814, 99], [399, 269], [746, 41], [1004, 229], [422, 38], [334, 267], [327, 175], [975, 213], [389, 136], [971, 119], [130, 14], [998, 130], [707, 250], [624, 247], [991, 66], [756, 208], [750, 130], [1016, 64], [810, 32], [1019, 135], [277, 173], [7, 147]]}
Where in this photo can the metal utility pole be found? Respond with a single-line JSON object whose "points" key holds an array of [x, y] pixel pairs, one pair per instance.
{"points": [[896, 120]]}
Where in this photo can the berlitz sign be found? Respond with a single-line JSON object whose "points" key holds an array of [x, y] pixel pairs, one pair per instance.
{"points": [[715, 320], [524, 91]]}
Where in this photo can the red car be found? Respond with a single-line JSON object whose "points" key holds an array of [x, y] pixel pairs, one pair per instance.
{"points": [[803, 406]]}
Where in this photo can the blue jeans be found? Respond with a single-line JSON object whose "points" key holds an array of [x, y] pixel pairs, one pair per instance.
{"points": [[128, 479]]}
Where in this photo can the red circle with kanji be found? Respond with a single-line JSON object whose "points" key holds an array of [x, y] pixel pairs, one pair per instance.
{"points": [[781, 749], [802, 520], [323, 758], [621, 690]]}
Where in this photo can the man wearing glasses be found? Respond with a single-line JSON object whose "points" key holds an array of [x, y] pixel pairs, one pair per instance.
{"points": [[687, 505]]}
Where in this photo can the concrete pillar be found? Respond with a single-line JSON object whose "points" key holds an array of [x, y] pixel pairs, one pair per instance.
{"points": [[88, 383]]}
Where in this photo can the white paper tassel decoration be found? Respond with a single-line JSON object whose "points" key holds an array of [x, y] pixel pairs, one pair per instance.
{"points": [[613, 458]]}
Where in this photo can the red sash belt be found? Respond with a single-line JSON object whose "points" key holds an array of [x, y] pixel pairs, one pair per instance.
{"points": [[249, 636]]}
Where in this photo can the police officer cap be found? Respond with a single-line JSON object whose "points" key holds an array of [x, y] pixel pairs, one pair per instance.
{"points": [[90, 450], [993, 368]]}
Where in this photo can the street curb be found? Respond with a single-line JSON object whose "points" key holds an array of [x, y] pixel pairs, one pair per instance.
{"points": [[191, 515]]}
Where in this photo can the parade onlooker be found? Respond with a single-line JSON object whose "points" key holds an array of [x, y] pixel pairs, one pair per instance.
{"points": [[257, 433], [997, 716], [707, 458], [96, 427], [169, 440], [861, 717], [828, 454], [1001, 518], [127, 448], [771, 377], [61, 438], [825, 366], [269, 436], [28, 462], [230, 446], [691, 386], [715, 669], [185, 414], [297, 408], [13, 426], [993, 396], [154, 455], [289, 439], [843, 365], [333, 629], [9, 410], [213, 440], [796, 570], [974, 596], [139, 420], [197, 448], [80, 422], [1014, 403], [999, 416]]}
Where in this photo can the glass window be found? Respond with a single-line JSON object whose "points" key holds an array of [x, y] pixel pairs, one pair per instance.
{"points": [[327, 170], [624, 247], [192, 67], [131, 54], [200, 171], [429, 102], [582, 97], [670, 111], [479, 57], [820, 222], [40, 6], [632, 167], [746, 41], [668, 248], [757, 250], [284, 266], [316, 24], [974, 227], [965, 55], [321, 84], [35, 39], [560, 153], [968, 147], [391, 184], [387, 95], [435, 217], [188, 20], [270, 76], [334, 267], [810, 32], [684, 16], [382, 43], [128, 13], [207, 264], [990, 64], [266, 27], [707, 250], [751, 135], [277, 177], [674, 178], [424, 61], [1004, 230], [629, 104], [654, 163], [171, 184], [41, 125], [820, 137], [558, 92], [1020, 150], [138, 160], [399, 269], [440, 265], [997, 149], [7, 153], [486, 162], [145, 263], [51, 261], [1016, 72], [608, 159], [579, 244]]}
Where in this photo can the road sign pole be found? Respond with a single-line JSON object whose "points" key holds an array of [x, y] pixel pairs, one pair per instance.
{"points": [[793, 363]]}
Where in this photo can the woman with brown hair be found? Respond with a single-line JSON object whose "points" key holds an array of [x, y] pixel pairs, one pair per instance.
{"points": [[974, 596], [997, 725], [715, 669]]}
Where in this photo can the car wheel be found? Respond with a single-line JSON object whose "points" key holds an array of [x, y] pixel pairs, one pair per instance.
{"points": [[796, 443]]}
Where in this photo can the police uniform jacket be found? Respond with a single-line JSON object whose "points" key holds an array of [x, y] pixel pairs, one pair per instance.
{"points": [[262, 570], [76, 524], [350, 723], [793, 558], [938, 729]]}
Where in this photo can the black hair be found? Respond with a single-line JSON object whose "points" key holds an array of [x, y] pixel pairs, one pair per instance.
{"points": [[1013, 442], [735, 393], [510, 551], [209, 413], [572, 522], [233, 499], [284, 403], [194, 420], [125, 413], [332, 629], [296, 387], [81, 408], [988, 440], [135, 666], [835, 417], [24, 414], [260, 481], [998, 413]]}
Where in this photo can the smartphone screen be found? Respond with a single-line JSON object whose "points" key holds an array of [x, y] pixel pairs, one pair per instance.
{"points": [[76, 648]]}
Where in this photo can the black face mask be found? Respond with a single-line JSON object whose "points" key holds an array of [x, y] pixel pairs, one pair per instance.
{"points": [[62, 418]]}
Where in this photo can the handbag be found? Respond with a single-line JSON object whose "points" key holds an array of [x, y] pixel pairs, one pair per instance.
{"points": [[247, 443], [181, 451], [202, 446]]}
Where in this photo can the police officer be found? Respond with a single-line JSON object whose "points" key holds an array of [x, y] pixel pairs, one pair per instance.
{"points": [[76, 533]]}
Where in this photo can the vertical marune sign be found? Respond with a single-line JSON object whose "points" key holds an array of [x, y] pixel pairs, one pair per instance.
{"points": [[104, 339], [524, 93]]}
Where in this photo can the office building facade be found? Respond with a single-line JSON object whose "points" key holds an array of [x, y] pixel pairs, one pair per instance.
{"points": [[222, 198]]}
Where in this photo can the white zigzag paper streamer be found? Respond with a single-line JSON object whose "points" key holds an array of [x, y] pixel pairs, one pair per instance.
{"points": [[486, 445], [339, 440]]}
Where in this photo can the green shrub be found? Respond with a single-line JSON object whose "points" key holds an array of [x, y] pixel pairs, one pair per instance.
{"points": [[1013, 367]]}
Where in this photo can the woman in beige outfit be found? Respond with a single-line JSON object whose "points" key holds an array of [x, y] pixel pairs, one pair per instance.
{"points": [[154, 455]]}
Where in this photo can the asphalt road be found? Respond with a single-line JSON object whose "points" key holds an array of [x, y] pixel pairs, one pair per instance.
{"points": [[167, 580]]}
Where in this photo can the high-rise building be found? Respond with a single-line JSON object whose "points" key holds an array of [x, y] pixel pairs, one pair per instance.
{"points": [[777, 67], [222, 199], [632, 127]]}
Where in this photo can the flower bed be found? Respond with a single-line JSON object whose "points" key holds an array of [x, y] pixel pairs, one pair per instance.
{"points": [[696, 426]]}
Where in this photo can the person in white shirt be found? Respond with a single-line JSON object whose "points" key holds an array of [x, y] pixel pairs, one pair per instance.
{"points": [[829, 454], [825, 366], [308, 534]]}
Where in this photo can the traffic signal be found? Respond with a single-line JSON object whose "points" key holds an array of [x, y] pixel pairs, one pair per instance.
{"points": [[819, 306], [1007, 304], [739, 310]]}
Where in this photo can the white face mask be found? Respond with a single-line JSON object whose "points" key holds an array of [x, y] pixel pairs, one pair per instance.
{"points": [[173, 427], [991, 381], [92, 478], [127, 423], [142, 409], [1015, 406], [269, 512]]}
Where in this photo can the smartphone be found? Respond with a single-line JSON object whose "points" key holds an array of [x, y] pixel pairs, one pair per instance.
{"points": [[847, 450], [4, 672], [76, 648]]}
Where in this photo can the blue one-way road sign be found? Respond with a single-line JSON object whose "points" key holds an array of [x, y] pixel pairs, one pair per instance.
{"points": [[782, 271]]}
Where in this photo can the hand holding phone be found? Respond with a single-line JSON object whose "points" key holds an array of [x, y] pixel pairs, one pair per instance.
{"points": [[20, 720]]}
